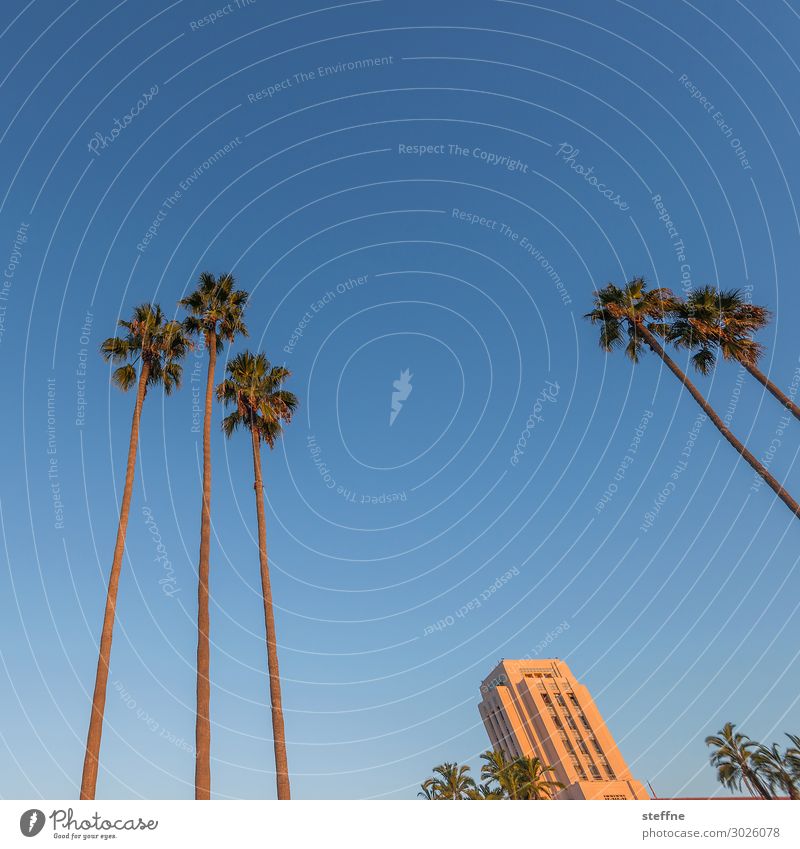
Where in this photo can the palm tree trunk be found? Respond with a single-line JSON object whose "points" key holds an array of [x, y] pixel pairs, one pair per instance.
{"points": [[278, 730], [202, 773], [91, 759], [653, 344], [771, 387], [752, 778]]}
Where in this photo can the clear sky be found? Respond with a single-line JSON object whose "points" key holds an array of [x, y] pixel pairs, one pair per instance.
{"points": [[444, 173]]}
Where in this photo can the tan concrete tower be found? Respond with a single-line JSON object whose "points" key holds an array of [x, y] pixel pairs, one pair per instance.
{"points": [[538, 709]]}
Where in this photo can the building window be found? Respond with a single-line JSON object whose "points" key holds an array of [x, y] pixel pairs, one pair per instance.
{"points": [[613, 796], [560, 700]]}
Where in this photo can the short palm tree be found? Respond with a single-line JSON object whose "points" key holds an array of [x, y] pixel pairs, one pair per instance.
{"points": [[498, 769], [156, 346], [633, 316], [710, 320], [735, 757], [531, 779], [262, 407], [216, 314], [450, 781], [488, 791]]}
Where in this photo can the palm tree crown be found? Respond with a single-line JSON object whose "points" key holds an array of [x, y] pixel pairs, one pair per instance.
{"points": [[157, 344], [735, 757], [498, 769], [622, 311], [710, 320], [531, 777], [253, 388], [793, 757], [779, 769], [216, 309], [451, 781]]}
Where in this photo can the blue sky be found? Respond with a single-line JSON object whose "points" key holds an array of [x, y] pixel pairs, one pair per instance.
{"points": [[441, 180]]}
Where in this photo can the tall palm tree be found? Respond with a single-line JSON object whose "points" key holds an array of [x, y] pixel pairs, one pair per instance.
{"points": [[778, 769], [253, 389], [216, 314], [634, 316], [531, 778], [156, 346], [710, 319], [735, 757], [450, 781]]}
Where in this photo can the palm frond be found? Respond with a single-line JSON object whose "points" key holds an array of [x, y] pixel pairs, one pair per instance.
{"points": [[703, 360], [124, 377]]}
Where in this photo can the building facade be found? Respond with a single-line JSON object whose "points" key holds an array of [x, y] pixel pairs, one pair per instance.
{"points": [[536, 708]]}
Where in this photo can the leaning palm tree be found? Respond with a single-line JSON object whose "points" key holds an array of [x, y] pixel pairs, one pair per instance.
{"points": [[778, 769], [531, 778], [710, 320], [633, 316], [451, 781], [216, 313], [735, 757], [156, 346], [792, 757], [261, 406]]}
